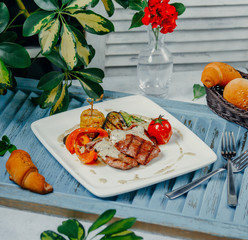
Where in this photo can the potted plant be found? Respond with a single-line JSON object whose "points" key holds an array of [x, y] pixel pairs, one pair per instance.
{"points": [[60, 28]]}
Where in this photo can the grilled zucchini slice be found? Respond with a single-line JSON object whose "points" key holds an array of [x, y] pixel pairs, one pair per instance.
{"points": [[114, 120]]}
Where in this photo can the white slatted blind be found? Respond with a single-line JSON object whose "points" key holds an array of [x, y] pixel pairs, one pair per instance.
{"points": [[208, 31]]}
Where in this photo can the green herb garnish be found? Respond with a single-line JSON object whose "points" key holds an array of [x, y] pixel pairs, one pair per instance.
{"points": [[73, 229], [130, 118], [5, 146], [199, 91]]}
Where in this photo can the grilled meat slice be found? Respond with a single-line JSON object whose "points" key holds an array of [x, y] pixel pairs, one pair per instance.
{"points": [[140, 149], [122, 162], [111, 156]]}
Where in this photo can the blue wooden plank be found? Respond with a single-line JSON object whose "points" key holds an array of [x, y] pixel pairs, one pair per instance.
{"points": [[143, 196], [5, 99], [158, 200], [177, 205], [11, 109], [215, 185], [194, 197]]}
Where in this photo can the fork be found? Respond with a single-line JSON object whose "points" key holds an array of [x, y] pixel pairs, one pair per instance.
{"points": [[228, 151], [239, 164]]}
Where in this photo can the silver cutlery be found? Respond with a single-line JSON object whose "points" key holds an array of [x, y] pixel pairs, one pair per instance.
{"points": [[228, 151], [238, 164]]}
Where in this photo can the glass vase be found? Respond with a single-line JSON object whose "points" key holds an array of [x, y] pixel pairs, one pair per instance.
{"points": [[155, 65]]}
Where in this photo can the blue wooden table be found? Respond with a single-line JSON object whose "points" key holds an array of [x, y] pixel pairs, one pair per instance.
{"points": [[202, 212]]}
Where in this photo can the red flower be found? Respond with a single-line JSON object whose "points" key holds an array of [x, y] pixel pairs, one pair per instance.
{"points": [[160, 13], [146, 19]]}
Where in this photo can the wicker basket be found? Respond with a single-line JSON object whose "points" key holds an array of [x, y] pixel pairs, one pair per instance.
{"points": [[224, 109]]}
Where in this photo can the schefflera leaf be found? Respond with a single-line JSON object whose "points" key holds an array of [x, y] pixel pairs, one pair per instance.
{"points": [[48, 5], [50, 97], [56, 59], [14, 55], [93, 22], [4, 17], [93, 74], [6, 79], [109, 7], [49, 35], [50, 235], [92, 89], [73, 229], [85, 52], [62, 103], [79, 4], [68, 47], [50, 81], [35, 22]]}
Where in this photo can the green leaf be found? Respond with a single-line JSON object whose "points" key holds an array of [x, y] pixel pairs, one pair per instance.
{"points": [[5, 146], [48, 5], [72, 229], [50, 80], [6, 79], [136, 20], [62, 103], [92, 74], [180, 8], [199, 91], [12, 148], [123, 3], [35, 22], [2, 152], [94, 3], [79, 4], [92, 89], [118, 226], [64, 2], [127, 235], [49, 35], [6, 139], [109, 7], [56, 59], [68, 47], [4, 16], [85, 52], [102, 219], [9, 36], [94, 23], [138, 5], [14, 55], [49, 98], [50, 235]]}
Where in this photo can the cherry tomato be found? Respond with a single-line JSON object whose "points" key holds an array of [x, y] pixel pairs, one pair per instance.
{"points": [[160, 129]]}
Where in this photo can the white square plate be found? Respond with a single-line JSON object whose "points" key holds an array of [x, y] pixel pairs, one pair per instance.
{"points": [[184, 153]]}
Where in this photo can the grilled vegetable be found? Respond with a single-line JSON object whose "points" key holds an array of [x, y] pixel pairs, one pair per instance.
{"points": [[114, 120], [131, 119], [74, 137], [91, 118]]}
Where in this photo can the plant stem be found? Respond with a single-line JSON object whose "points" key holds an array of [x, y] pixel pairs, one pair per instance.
{"points": [[156, 34], [35, 58], [23, 8], [18, 14]]}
